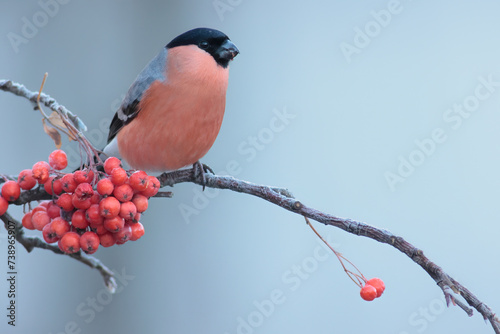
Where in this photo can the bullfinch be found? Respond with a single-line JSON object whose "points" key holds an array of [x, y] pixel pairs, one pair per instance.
{"points": [[173, 111]]}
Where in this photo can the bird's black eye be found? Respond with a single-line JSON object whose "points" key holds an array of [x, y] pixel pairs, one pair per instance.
{"points": [[203, 44]]}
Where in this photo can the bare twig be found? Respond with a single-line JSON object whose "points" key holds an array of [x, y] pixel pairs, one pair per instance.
{"points": [[49, 102], [30, 243], [358, 278], [168, 194]]}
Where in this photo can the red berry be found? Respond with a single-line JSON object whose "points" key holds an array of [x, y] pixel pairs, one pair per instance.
{"points": [[68, 183], [44, 204], [153, 187], [60, 245], [89, 242], [60, 226], [53, 210], [114, 224], [57, 187], [110, 207], [128, 210], [123, 193], [70, 243], [137, 231], [368, 293], [65, 202], [41, 171], [53, 186], [84, 205], [123, 235], [107, 239], [27, 223], [48, 234], [99, 229], [84, 191], [111, 163], [90, 177], [139, 181], [378, 284], [3, 205], [26, 180], [93, 215], [85, 175], [11, 191], [118, 176], [133, 220], [40, 219], [41, 207], [80, 176], [96, 198], [105, 187], [141, 202], [58, 160], [78, 220]]}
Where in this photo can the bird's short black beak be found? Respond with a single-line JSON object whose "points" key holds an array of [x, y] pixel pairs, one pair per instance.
{"points": [[228, 51]]}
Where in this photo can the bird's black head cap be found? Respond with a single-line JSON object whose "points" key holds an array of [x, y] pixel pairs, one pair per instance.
{"points": [[215, 42]]}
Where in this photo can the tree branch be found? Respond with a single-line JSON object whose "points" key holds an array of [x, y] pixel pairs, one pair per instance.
{"points": [[31, 243], [19, 90], [278, 196], [284, 199]]}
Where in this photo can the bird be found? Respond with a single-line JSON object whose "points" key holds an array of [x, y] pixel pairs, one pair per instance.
{"points": [[173, 111]]}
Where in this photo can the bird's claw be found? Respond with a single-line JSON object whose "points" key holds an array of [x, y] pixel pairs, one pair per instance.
{"points": [[207, 169], [198, 167]]}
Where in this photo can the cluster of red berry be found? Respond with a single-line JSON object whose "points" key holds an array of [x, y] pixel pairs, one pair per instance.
{"points": [[88, 209], [373, 288]]}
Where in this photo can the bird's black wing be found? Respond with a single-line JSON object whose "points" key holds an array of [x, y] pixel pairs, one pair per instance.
{"points": [[129, 108], [129, 111]]}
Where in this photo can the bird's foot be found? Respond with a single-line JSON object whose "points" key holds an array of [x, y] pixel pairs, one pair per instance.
{"points": [[198, 167], [207, 169]]}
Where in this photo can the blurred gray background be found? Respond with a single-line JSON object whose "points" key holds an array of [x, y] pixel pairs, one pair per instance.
{"points": [[369, 88]]}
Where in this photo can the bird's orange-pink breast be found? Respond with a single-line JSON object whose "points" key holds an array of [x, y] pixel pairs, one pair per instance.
{"points": [[179, 119]]}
